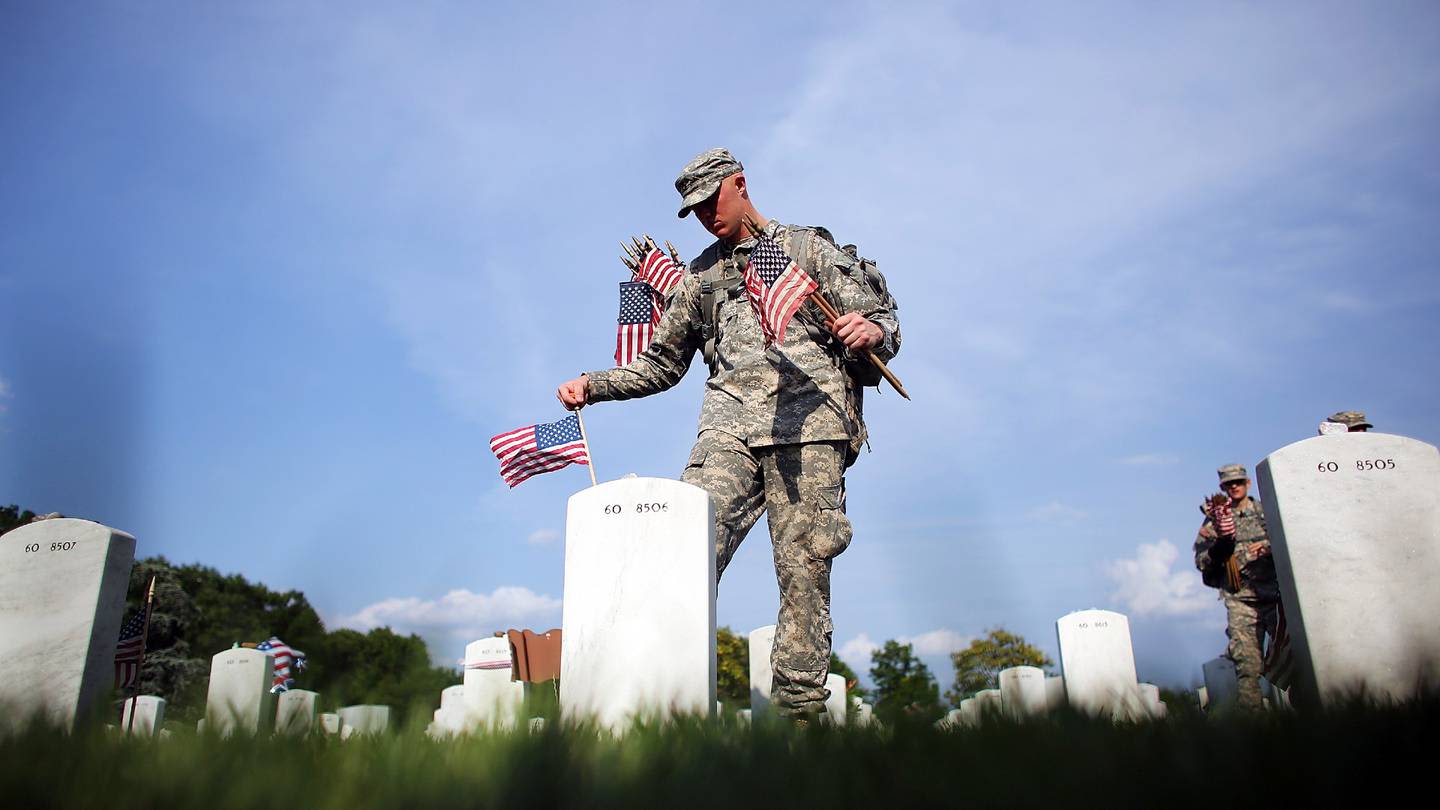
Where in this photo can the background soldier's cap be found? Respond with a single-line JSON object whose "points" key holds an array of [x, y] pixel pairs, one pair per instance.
{"points": [[1352, 419], [1232, 472], [701, 177]]}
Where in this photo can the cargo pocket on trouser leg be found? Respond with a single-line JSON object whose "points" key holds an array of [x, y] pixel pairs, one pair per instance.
{"points": [[831, 532]]}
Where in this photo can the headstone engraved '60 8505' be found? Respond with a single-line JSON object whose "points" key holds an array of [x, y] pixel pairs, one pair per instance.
{"points": [[240, 699], [1097, 660], [62, 593], [639, 608], [1354, 524], [492, 699], [295, 712], [762, 644]]}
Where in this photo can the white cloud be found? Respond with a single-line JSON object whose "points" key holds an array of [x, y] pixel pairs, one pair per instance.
{"points": [[1150, 460], [458, 615], [543, 537], [857, 651], [1150, 585]]}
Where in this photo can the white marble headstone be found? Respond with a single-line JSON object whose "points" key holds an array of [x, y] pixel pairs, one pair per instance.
{"points": [[491, 699], [864, 714], [969, 712], [295, 712], [62, 593], [1221, 685], [1354, 524], [835, 705], [330, 723], [239, 699], [1023, 691], [365, 719], [989, 703], [639, 608], [1097, 660], [1203, 695], [149, 715], [1150, 700], [762, 677]]}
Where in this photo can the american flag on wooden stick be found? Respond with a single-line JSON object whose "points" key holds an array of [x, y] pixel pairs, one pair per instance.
{"points": [[777, 287], [657, 270], [539, 449], [128, 651], [636, 322]]}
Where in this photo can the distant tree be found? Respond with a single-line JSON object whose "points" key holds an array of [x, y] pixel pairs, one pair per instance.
{"points": [[853, 689], [12, 518], [732, 666], [978, 666], [904, 687]]}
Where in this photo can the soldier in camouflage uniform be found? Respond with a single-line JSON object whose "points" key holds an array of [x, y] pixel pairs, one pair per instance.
{"points": [[1251, 598], [778, 424]]}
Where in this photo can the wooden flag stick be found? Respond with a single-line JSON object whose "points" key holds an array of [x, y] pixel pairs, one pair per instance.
{"points": [[144, 643], [590, 457], [830, 312]]}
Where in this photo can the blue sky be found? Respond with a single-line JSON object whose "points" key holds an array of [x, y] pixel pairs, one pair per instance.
{"points": [[275, 273]]}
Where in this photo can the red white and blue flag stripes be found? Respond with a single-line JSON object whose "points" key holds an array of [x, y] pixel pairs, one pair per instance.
{"points": [[287, 659], [657, 270], [128, 651], [636, 324], [777, 287], [537, 449]]}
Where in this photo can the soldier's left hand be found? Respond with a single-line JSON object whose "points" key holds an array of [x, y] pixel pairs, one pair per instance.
{"points": [[1257, 550], [856, 331]]}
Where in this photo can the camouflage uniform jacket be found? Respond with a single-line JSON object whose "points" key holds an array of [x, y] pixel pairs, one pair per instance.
{"points": [[792, 393], [1257, 574]]}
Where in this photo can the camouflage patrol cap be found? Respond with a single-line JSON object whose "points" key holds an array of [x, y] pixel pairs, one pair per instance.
{"points": [[701, 177], [1350, 419], [1232, 472]]}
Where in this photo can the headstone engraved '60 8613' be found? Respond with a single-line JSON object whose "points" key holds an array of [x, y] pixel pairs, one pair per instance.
{"points": [[1354, 524], [762, 644], [492, 699], [1097, 660], [149, 711], [1023, 691], [240, 699], [62, 593], [1221, 685], [639, 614], [295, 712]]}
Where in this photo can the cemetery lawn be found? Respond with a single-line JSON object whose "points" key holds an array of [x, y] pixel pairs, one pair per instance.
{"points": [[1280, 759]]}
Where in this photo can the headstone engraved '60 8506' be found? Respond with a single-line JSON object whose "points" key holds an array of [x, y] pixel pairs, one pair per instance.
{"points": [[295, 712], [639, 608], [240, 699], [62, 593], [1097, 660], [1022, 689], [1354, 524], [762, 644], [492, 699]]}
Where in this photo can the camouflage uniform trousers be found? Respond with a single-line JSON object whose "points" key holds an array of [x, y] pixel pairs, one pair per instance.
{"points": [[801, 489], [1249, 622]]}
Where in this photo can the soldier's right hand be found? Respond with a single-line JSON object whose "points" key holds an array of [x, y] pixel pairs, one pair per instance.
{"points": [[573, 393]]}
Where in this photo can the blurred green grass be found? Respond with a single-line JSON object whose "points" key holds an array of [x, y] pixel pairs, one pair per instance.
{"points": [[1276, 759]]}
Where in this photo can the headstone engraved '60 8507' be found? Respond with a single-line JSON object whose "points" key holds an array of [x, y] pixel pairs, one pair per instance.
{"points": [[62, 593], [492, 699], [240, 699], [1097, 660], [762, 644], [639, 608], [1354, 524], [295, 712], [1022, 689]]}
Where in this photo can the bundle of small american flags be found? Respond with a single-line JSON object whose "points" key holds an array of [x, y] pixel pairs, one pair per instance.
{"points": [[536, 449], [285, 657], [642, 303]]}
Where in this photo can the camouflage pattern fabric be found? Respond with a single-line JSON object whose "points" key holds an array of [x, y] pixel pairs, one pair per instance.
{"points": [[801, 488], [1257, 573], [791, 393], [1249, 622]]}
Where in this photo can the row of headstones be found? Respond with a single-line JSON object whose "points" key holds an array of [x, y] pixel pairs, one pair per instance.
{"points": [[838, 710], [488, 699], [1222, 688], [239, 700]]}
